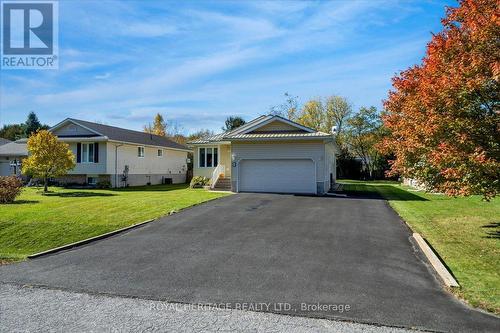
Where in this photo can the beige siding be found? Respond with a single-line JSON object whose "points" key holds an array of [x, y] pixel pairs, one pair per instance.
{"points": [[331, 164], [172, 163], [283, 150], [275, 126], [224, 159], [89, 168]]}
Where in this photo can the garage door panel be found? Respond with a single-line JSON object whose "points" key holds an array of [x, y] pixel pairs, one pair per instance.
{"points": [[277, 175]]}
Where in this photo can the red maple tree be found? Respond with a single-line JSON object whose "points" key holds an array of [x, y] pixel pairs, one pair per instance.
{"points": [[443, 115]]}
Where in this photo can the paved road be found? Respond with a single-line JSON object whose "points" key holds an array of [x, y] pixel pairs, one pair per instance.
{"points": [[41, 310], [291, 252]]}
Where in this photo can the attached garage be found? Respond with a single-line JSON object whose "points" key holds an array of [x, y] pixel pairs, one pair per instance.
{"points": [[268, 154], [277, 175]]}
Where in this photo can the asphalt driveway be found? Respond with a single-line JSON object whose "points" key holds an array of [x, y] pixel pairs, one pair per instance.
{"points": [[347, 258]]}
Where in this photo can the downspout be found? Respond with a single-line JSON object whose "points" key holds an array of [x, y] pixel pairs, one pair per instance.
{"points": [[116, 164]]}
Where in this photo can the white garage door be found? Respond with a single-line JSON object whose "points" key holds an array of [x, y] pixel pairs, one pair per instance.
{"points": [[281, 176]]}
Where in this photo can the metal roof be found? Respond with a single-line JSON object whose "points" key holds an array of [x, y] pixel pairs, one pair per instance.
{"points": [[239, 133], [279, 135]]}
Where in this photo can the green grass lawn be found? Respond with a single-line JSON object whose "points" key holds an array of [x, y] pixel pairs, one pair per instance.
{"points": [[464, 231], [37, 222]]}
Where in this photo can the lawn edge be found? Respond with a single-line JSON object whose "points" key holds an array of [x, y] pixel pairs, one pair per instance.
{"points": [[88, 240], [114, 232], [437, 264], [455, 291]]}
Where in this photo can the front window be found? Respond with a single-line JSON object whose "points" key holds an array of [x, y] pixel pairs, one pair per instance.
{"points": [[160, 152], [91, 180], [87, 153], [140, 151], [208, 157]]}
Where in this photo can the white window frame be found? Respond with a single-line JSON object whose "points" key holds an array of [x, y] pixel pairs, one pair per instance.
{"points": [[141, 149], [213, 154], [159, 153], [82, 155]]}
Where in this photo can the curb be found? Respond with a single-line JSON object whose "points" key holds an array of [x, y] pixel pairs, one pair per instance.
{"points": [[440, 269], [88, 240]]}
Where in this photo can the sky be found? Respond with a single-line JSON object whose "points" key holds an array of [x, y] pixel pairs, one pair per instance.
{"points": [[197, 62]]}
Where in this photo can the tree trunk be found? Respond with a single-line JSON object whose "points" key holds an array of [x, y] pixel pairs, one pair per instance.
{"points": [[45, 184]]}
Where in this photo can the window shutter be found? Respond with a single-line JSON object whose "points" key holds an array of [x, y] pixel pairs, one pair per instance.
{"points": [[78, 152], [96, 152]]}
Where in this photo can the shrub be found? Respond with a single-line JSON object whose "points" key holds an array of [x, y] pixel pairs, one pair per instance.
{"points": [[104, 184], [10, 188], [199, 181]]}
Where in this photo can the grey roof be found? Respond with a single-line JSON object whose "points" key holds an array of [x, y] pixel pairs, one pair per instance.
{"points": [[15, 148], [238, 133], [4, 141], [126, 135]]}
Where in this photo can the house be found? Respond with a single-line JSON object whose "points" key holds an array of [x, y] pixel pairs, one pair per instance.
{"points": [[4, 141], [11, 156], [268, 154], [120, 156]]}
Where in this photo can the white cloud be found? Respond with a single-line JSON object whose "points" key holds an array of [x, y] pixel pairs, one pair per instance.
{"points": [[295, 42], [103, 76], [141, 29], [241, 29]]}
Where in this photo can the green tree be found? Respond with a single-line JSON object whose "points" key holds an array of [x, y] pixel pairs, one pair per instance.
{"points": [[364, 131], [232, 123], [13, 132], [47, 157], [33, 124]]}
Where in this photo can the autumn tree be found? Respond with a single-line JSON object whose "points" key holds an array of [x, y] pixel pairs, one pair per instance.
{"points": [[363, 132], [289, 109], [203, 133], [443, 115], [313, 114], [233, 122], [47, 157], [337, 111], [159, 126]]}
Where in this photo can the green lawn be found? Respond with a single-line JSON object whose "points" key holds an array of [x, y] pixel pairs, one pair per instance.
{"points": [[464, 231], [38, 222]]}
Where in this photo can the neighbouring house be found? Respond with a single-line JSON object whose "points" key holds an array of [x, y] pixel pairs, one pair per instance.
{"points": [[120, 156], [11, 156], [4, 141], [268, 154]]}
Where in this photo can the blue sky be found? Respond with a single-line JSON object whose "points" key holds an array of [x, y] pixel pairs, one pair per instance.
{"points": [[197, 62]]}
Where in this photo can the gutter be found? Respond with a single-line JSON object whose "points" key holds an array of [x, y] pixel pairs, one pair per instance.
{"points": [[147, 145]]}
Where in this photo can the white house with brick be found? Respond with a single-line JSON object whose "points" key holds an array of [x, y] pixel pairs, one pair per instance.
{"points": [[120, 156]]}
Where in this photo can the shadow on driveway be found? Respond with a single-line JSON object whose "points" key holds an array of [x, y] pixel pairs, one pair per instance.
{"points": [[306, 256]]}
